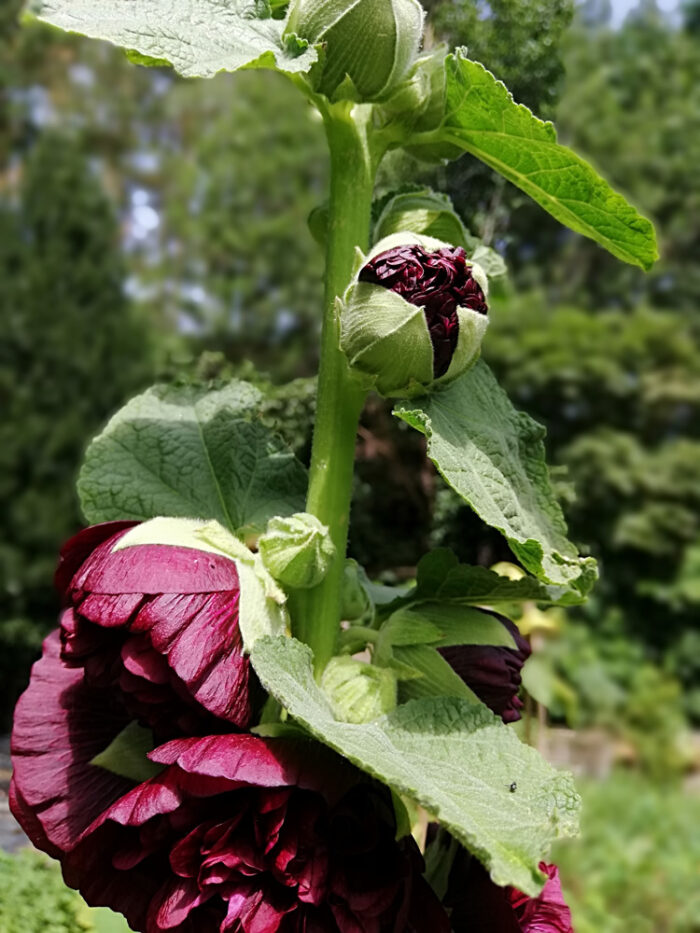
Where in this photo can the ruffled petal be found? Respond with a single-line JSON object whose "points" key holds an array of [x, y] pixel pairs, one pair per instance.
{"points": [[61, 724]]}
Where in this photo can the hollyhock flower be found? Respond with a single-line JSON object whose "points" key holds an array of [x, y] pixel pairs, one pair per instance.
{"points": [[254, 835], [414, 316], [480, 906], [158, 621], [492, 672]]}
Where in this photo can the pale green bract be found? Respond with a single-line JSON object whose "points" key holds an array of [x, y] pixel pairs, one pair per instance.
{"points": [[482, 118], [493, 456], [453, 757], [198, 37], [188, 452]]}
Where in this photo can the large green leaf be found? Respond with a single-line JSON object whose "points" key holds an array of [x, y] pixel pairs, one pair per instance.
{"points": [[458, 760], [198, 37], [493, 456], [185, 452], [483, 119]]}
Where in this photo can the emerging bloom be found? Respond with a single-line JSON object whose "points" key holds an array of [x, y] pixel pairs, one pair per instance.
{"points": [[479, 906], [159, 623], [414, 316], [492, 672], [439, 282]]}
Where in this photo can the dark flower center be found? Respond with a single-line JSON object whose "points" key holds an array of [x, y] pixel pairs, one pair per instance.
{"points": [[439, 282]]}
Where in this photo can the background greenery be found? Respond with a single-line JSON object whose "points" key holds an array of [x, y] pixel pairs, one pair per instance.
{"points": [[152, 227]]}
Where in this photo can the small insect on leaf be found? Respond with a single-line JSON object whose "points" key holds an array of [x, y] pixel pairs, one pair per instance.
{"points": [[513, 787]]}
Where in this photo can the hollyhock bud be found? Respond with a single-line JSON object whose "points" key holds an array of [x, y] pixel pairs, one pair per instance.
{"points": [[358, 692], [298, 550], [368, 45], [159, 613], [415, 315], [492, 672]]}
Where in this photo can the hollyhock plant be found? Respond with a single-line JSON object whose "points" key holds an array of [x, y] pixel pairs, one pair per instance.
{"points": [[493, 672], [132, 760]]}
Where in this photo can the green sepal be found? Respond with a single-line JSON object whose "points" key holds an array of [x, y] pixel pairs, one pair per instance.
{"points": [[127, 754]]}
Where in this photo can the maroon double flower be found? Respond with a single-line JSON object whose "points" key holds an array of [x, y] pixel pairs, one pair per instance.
{"points": [[440, 282]]}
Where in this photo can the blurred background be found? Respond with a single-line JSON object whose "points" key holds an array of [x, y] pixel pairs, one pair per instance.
{"points": [[155, 228]]}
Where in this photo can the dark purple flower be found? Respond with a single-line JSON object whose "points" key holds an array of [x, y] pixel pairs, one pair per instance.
{"points": [[254, 835], [158, 623], [493, 673], [440, 282], [477, 905]]}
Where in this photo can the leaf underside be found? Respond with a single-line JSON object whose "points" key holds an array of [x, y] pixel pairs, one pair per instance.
{"points": [[187, 452], [198, 37], [454, 757], [483, 119], [493, 456]]}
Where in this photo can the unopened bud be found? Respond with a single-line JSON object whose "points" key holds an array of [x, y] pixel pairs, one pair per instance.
{"points": [[414, 316], [358, 692], [297, 550], [369, 45]]}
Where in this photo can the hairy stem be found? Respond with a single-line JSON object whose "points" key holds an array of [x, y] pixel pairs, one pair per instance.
{"points": [[340, 400]]}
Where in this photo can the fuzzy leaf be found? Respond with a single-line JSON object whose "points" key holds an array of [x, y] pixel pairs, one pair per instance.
{"points": [[482, 118], [493, 456], [185, 452], [198, 37], [452, 756]]}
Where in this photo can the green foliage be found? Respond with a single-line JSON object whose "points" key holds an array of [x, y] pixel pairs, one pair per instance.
{"points": [[187, 452], [635, 865], [417, 750], [34, 899], [70, 350], [640, 84], [493, 456]]}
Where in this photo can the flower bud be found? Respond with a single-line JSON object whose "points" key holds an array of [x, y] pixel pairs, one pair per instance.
{"points": [[369, 45], [358, 692], [297, 550], [414, 316]]}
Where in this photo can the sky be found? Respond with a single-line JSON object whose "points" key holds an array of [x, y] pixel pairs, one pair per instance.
{"points": [[622, 7]]}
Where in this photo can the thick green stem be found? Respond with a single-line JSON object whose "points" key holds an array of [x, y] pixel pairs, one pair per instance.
{"points": [[317, 611]]}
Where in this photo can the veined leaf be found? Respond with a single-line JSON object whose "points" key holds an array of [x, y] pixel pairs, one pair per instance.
{"points": [[483, 119], [198, 37], [493, 456], [186, 452], [452, 756]]}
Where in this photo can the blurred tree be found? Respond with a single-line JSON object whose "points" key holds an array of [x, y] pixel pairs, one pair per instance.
{"points": [[520, 41], [70, 352], [239, 263]]}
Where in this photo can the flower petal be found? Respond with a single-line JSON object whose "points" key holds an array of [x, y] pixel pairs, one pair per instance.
{"points": [[60, 724]]}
